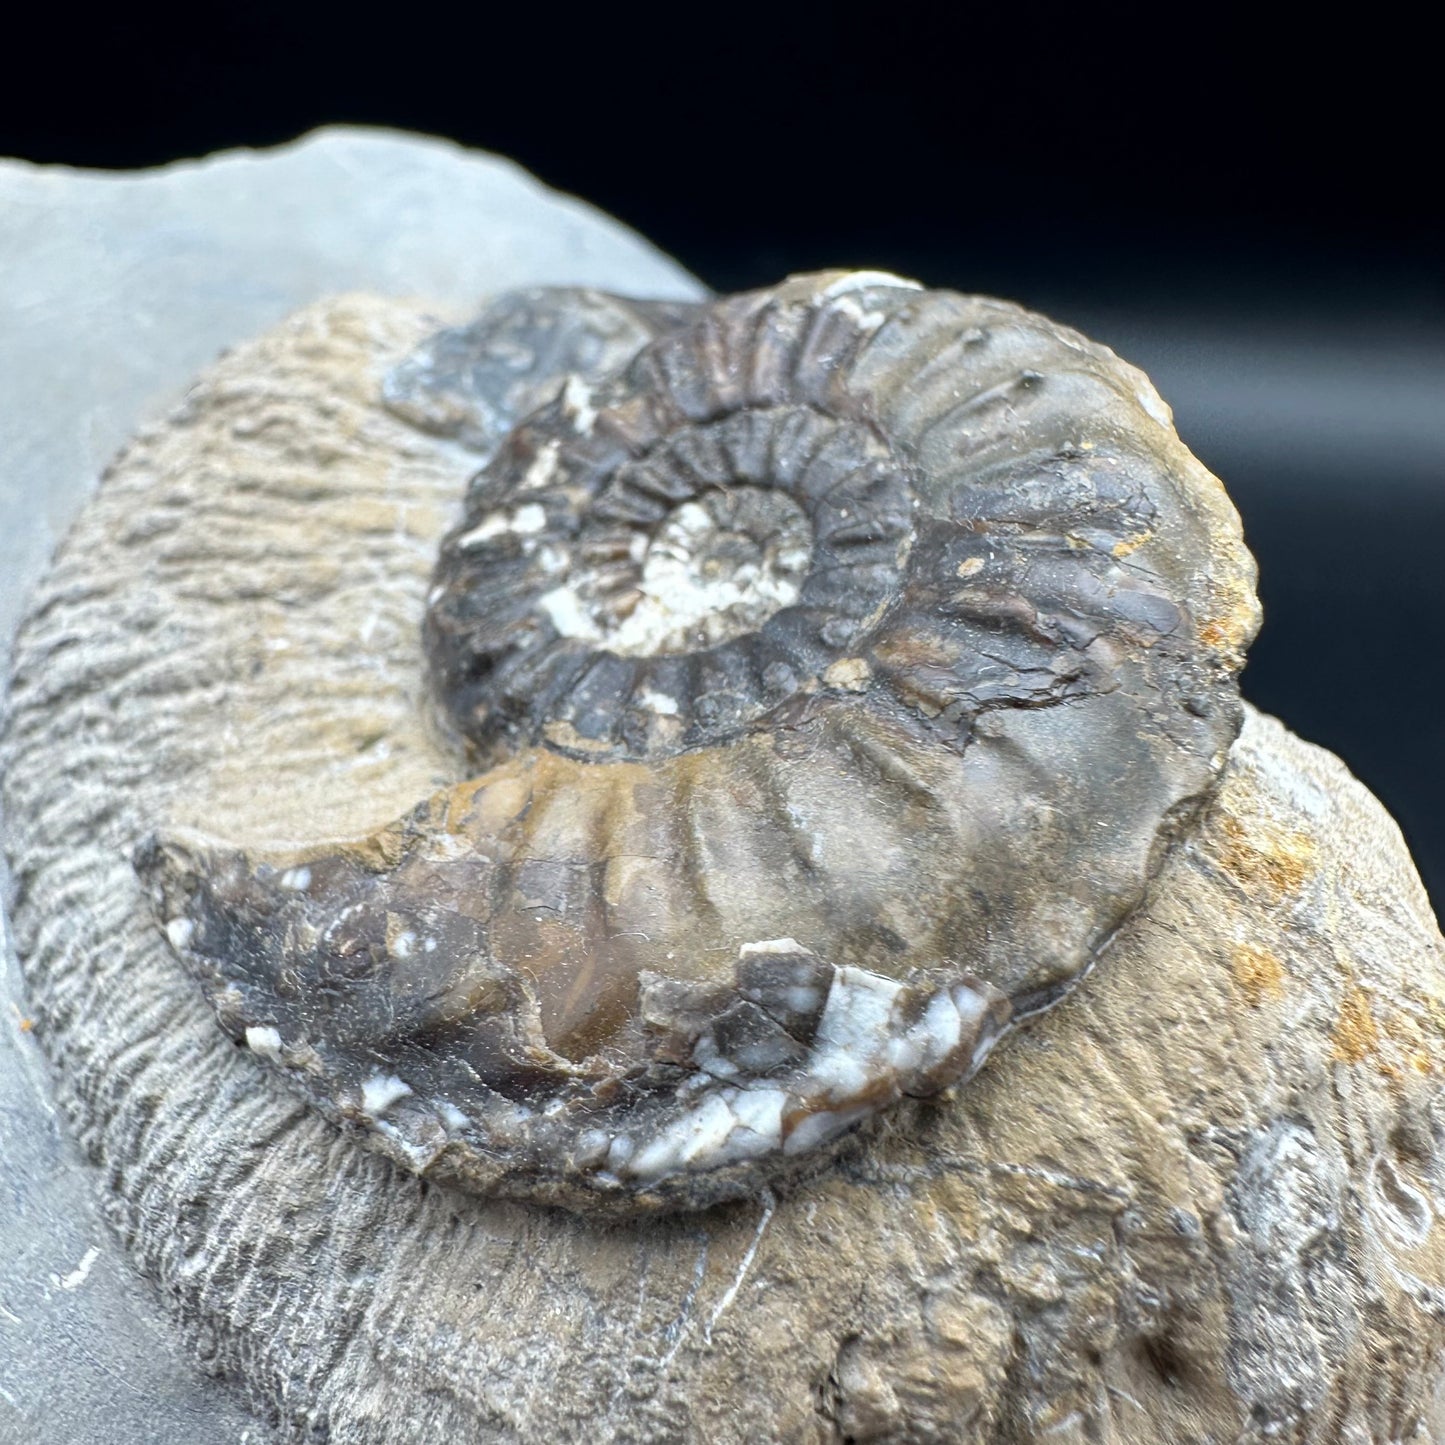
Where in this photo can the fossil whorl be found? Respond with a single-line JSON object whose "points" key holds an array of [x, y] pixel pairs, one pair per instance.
{"points": [[834, 664]]}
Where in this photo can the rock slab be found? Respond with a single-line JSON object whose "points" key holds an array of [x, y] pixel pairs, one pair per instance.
{"points": [[115, 289], [1200, 1202]]}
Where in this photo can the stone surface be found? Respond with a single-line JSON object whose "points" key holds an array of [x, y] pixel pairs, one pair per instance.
{"points": [[1198, 1203], [114, 290]]}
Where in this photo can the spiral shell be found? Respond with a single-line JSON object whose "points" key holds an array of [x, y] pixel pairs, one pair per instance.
{"points": [[835, 662]]}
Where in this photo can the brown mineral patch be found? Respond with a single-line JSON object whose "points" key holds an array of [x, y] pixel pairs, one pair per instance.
{"points": [[1127, 545], [564, 735], [1417, 1036], [1234, 618], [1356, 1035], [1259, 974], [1265, 859], [1400, 1040]]}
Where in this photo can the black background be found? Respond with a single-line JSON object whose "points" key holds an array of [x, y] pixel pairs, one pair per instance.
{"points": [[1242, 204]]}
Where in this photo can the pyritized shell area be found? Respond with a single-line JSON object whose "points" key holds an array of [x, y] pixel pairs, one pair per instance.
{"points": [[833, 664]]}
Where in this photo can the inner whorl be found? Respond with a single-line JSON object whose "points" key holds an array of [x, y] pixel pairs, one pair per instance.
{"points": [[672, 596], [715, 568]]}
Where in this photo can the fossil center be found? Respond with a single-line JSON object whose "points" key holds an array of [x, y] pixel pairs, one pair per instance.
{"points": [[715, 568]]}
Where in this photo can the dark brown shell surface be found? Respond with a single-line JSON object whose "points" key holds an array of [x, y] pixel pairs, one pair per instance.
{"points": [[831, 667]]}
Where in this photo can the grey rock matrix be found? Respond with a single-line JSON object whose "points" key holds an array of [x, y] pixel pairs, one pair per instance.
{"points": [[115, 289], [1198, 1202]]}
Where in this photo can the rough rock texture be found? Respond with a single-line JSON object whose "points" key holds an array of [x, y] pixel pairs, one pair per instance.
{"points": [[1198, 1202], [115, 288]]}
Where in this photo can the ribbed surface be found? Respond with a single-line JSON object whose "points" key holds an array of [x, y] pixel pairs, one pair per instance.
{"points": [[919, 431], [1009, 585]]}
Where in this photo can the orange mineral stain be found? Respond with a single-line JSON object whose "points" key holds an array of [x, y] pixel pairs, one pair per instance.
{"points": [[1259, 974]]}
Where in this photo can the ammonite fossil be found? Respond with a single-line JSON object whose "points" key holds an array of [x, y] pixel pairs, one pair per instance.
{"points": [[830, 667]]}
